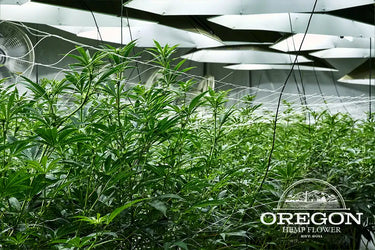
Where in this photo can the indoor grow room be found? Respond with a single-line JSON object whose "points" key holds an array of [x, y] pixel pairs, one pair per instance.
{"points": [[200, 124]]}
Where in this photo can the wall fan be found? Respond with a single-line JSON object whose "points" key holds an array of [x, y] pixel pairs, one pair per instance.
{"points": [[16, 52]]}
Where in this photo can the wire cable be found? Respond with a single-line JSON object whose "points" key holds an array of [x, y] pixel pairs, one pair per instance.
{"points": [[320, 89], [121, 22], [131, 38], [149, 63], [299, 71], [278, 109], [337, 91], [370, 69], [94, 18], [303, 100], [265, 96]]}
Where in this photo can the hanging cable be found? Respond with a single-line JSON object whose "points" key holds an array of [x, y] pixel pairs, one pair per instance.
{"points": [[278, 108], [36, 58], [291, 60], [269, 103], [369, 83], [131, 38], [94, 18], [320, 89], [304, 100], [337, 92], [370, 69], [121, 21], [299, 70]]}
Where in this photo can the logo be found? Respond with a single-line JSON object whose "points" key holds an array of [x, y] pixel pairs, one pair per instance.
{"points": [[311, 209]]}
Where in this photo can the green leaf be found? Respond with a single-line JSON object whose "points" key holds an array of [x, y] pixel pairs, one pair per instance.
{"points": [[14, 203], [181, 244], [206, 204], [118, 210], [170, 196], [195, 102], [37, 89], [49, 135], [160, 206]]}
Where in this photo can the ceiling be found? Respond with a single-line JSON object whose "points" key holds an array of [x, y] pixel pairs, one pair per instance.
{"points": [[252, 35]]}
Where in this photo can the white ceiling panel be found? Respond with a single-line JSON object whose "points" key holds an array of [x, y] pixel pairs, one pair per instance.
{"points": [[242, 57], [361, 75], [239, 7], [358, 81], [252, 67], [59, 16], [16, 2], [323, 24], [146, 34], [83, 24], [320, 42], [344, 53]]}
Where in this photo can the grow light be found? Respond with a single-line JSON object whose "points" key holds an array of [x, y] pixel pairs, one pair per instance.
{"points": [[147, 33], [320, 42], [213, 7], [59, 16], [344, 53], [276, 67], [357, 81], [82, 24], [249, 56], [361, 74], [320, 24], [16, 2]]}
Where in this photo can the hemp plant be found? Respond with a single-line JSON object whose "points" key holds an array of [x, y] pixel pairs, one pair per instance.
{"points": [[93, 161]]}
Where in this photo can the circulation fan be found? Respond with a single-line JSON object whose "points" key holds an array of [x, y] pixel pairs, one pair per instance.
{"points": [[16, 52]]}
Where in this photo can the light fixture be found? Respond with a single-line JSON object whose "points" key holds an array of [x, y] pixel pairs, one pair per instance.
{"points": [[319, 42], [344, 53], [252, 67], [213, 7], [361, 74], [148, 32], [14, 2], [323, 24], [58, 16], [243, 56]]}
